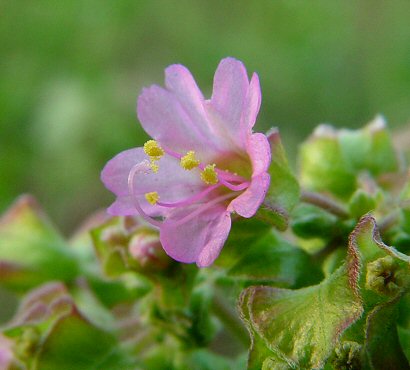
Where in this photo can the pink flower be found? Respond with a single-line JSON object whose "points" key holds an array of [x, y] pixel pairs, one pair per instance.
{"points": [[204, 163]]}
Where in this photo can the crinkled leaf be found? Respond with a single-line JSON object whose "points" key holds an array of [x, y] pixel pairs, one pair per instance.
{"points": [[283, 192], [271, 259], [301, 327], [31, 250], [366, 238], [258, 351]]}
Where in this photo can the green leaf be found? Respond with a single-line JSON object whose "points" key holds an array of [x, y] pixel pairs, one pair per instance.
{"points": [[361, 203], [258, 351], [309, 221], [76, 344], [404, 338], [301, 327], [31, 250], [321, 163], [128, 287], [206, 360], [370, 148], [382, 342], [49, 332], [366, 239], [331, 159], [283, 192], [272, 259], [244, 233], [380, 266]]}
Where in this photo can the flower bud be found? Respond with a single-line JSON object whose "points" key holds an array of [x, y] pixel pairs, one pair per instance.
{"points": [[127, 243], [147, 250], [385, 276]]}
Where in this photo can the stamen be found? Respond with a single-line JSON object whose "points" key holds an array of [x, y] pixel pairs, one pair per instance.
{"points": [[190, 200], [153, 150], [152, 197], [189, 161], [202, 208], [238, 187], [229, 176], [142, 167], [209, 175]]}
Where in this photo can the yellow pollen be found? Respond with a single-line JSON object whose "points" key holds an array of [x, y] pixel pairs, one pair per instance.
{"points": [[153, 150], [209, 175], [189, 161], [154, 166], [152, 197]]}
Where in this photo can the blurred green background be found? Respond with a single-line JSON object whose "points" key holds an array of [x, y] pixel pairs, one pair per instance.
{"points": [[71, 71]]}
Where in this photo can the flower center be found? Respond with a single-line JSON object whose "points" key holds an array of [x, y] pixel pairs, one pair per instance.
{"points": [[212, 176]]}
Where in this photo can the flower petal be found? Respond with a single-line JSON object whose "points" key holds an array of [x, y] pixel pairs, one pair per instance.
{"points": [[180, 81], [249, 201], [200, 239], [259, 152], [115, 173], [164, 118], [252, 104], [122, 206], [229, 92]]}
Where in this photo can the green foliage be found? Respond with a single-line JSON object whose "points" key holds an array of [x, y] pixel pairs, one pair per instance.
{"points": [[49, 333], [283, 193], [319, 286], [31, 250], [273, 260], [331, 160], [301, 327], [382, 341]]}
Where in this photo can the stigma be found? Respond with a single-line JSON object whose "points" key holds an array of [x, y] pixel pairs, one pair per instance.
{"points": [[152, 197]]}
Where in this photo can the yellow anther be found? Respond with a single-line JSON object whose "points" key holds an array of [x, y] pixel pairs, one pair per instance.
{"points": [[153, 150], [189, 161], [209, 175], [152, 197]]}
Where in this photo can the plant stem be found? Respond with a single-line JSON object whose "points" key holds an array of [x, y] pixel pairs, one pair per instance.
{"points": [[324, 203]]}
